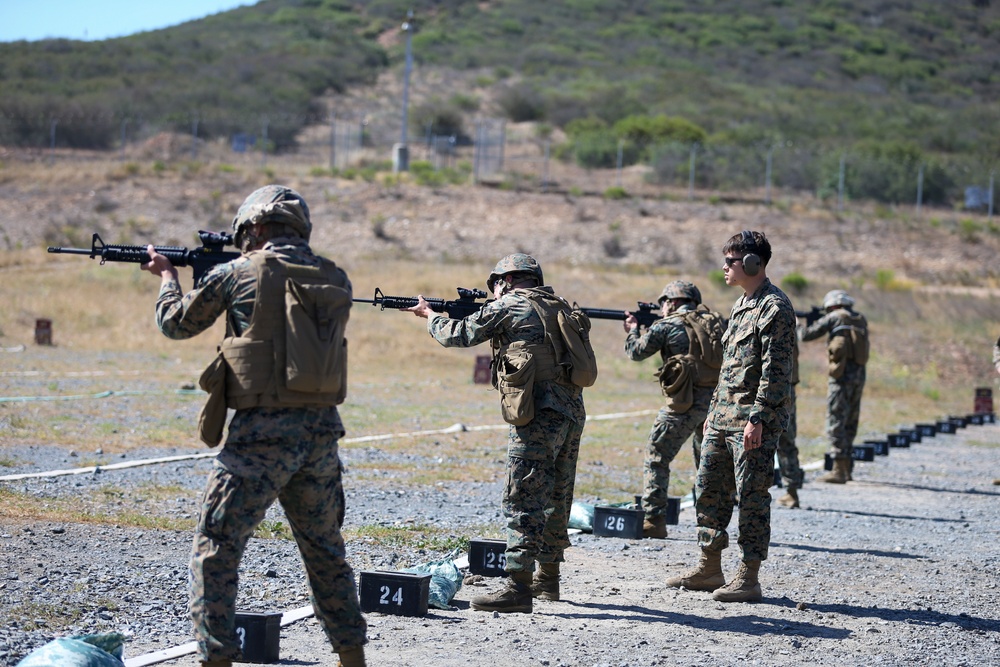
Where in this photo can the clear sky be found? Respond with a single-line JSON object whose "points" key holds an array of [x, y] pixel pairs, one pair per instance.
{"points": [[100, 19]]}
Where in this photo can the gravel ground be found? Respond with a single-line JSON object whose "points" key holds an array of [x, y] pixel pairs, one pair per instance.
{"points": [[898, 567]]}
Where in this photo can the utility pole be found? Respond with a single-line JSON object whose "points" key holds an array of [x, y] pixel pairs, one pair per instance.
{"points": [[401, 152]]}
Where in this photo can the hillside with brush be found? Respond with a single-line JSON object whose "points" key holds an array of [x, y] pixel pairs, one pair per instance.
{"points": [[913, 79]]}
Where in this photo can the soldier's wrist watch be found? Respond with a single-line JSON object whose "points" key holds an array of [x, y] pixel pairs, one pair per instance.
{"points": [[754, 419]]}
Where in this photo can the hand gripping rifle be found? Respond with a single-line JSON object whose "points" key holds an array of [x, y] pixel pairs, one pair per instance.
{"points": [[465, 305], [810, 316], [646, 314], [200, 259]]}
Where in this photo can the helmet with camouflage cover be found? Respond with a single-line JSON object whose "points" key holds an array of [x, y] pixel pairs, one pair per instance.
{"points": [[273, 203], [680, 289], [836, 298], [516, 263]]}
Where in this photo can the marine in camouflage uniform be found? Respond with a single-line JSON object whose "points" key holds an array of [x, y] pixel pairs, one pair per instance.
{"points": [[541, 454], [675, 422], [843, 398], [748, 412], [271, 452], [792, 475]]}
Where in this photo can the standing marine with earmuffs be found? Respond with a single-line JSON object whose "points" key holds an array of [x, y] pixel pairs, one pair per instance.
{"points": [[748, 412], [847, 349]]}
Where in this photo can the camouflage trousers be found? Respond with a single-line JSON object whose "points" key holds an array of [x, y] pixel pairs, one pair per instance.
{"points": [[843, 410], [263, 461], [669, 433], [788, 452], [728, 474], [539, 491]]}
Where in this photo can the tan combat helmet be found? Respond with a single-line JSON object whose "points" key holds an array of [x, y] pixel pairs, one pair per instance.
{"points": [[680, 289], [515, 263], [837, 298], [273, 203]]}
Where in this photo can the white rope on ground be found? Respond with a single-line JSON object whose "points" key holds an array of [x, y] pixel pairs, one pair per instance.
{"points": [[100, 394], [110, 466], [454, 428]]}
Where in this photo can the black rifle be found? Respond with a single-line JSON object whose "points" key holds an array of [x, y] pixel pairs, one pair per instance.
{"points": [[465, 305], [646, 314], [200, 259], [810, 316]]}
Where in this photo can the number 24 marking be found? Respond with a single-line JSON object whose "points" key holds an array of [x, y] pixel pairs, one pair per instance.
{"points": [[397, 597]]}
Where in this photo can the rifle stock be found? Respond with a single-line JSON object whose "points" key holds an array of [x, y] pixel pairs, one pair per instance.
{"points": [[199, 259], [646, 313], [466, 304]]}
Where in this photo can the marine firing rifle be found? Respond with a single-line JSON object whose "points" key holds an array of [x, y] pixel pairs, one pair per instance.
{"points": [[646, 314], [465, 305], [200, 259], [810, 316]]}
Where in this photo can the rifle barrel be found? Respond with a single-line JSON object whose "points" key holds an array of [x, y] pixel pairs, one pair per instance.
{"points": [[71, 251], [604, 313]]}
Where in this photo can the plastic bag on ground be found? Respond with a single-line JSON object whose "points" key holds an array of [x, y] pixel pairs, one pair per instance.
{"points": [[445, 580], [78, 651], [581, 517]]}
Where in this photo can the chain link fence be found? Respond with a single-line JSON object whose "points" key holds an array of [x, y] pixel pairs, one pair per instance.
{"points": [[519, 156]]}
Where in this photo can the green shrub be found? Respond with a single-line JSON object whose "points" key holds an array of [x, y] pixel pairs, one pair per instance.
{"points": [[581, 126], [596, 150], [884, 278], [888, 171], [616, 192], [795, 282], [659, 129], [718, 277]]}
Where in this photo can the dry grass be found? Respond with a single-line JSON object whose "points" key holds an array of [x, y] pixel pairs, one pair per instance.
{"points": [[17, 507], [929, 353]]}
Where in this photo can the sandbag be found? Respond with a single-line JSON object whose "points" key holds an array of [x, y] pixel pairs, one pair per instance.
{"points": [[78, 651], [445, 581]]}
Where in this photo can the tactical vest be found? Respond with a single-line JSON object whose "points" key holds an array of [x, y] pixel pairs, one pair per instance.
{"points": [[293, 353], [704, 329], [549, 357], [848, 343]]}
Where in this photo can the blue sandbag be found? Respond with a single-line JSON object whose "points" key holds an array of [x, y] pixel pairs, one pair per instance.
{"points": [[78, 651]]}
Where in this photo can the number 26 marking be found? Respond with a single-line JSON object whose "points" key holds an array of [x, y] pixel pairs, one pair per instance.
{"points": [[615, 523]]}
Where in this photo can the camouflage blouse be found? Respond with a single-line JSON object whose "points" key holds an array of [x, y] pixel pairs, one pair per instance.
{"points": [[757, 362], [506, 320], [666, 336]]}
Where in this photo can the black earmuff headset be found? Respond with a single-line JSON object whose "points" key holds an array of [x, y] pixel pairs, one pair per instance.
{"points": [[751, 260]]}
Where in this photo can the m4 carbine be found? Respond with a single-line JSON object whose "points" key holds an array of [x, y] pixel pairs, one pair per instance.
{"points": [[466, 304], [646, 313], [199, 259], [810, 316]]}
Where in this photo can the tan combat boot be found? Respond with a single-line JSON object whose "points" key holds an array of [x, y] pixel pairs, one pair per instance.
{"points": [[515, 597], [545, 583], [706, 577], [743, 587], [655, 526], [838, 475], [352, 656], [790, 499]]}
